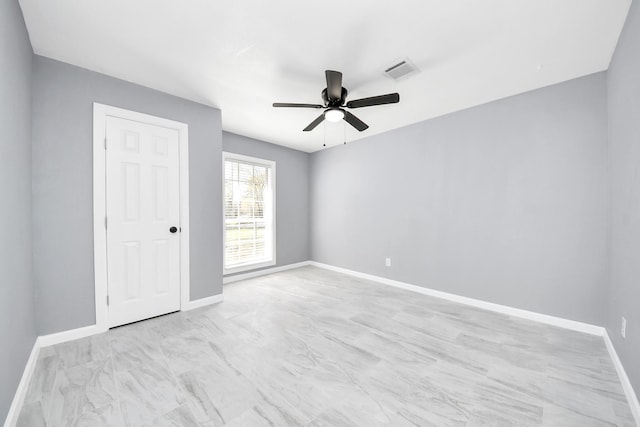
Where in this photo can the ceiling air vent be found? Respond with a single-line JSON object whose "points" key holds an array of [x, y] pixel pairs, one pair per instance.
{"points": [[401, 69]]}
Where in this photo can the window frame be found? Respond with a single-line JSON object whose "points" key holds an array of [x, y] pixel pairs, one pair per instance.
{"points": [[272, 167]]}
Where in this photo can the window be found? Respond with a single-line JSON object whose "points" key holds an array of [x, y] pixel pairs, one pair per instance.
{"points": [[249, 213]]}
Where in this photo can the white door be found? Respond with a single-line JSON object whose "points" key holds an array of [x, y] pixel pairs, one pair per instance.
{"points": [[143, 220]]}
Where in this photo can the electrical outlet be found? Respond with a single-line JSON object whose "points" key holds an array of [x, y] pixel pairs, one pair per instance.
{"points": [[623, 328], [387, 262]]}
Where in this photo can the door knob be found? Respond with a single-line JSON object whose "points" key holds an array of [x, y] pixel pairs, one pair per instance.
{"points": [[173, 229]]}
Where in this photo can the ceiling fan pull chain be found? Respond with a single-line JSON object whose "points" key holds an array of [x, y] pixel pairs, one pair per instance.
{"points": [[344, 133], [324, 128]]}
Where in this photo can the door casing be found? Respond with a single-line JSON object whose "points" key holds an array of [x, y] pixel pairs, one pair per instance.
{"points": [[100, 114]]}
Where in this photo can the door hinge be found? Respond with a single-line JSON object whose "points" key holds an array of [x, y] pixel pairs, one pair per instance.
{"points": [[105, 142], [105, 222], [107, 300]]}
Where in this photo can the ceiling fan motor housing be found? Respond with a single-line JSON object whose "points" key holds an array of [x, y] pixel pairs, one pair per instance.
{"points": [[334, 102]]}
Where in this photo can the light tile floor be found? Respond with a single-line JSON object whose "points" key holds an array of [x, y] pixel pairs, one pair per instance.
{"points": [[310, 347]]}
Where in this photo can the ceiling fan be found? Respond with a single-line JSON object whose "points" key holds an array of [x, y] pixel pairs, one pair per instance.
{"points": [[335, 99]]}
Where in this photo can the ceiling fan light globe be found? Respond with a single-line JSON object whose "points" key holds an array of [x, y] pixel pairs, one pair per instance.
{"points": [[334, 115]]}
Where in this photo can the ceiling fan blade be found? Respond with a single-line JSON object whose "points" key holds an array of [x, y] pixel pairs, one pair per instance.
{"points": [[355, 122], [287, 104], [314, 123], [390, 98], [334, 84]]}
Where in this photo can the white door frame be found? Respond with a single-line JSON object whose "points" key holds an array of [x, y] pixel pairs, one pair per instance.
{"points": [[100, 114]]}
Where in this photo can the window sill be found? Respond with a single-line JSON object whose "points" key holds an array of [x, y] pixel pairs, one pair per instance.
{"points": [[248, 267]]}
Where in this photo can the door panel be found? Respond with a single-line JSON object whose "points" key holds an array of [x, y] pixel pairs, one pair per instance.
{"points": [[160, 193], [143, 257], [131, 271], [131, 190], [161, 266]]}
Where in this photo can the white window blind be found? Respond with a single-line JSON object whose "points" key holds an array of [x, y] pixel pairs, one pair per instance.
{"points": [[249, 200]]}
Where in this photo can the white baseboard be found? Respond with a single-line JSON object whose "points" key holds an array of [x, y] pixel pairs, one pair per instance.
{"points": [[252, 274], [87, 331], [215, 299], [624, 379], [511, 311], [23, 386], [70, 335]]}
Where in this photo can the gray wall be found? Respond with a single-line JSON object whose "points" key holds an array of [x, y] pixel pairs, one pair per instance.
{"points": [[505, 202], [624, 141], [292, 194], [17, 310], [63, 193]]}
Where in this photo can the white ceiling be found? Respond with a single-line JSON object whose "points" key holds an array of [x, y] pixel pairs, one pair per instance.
{"points": [[241, 56]]}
